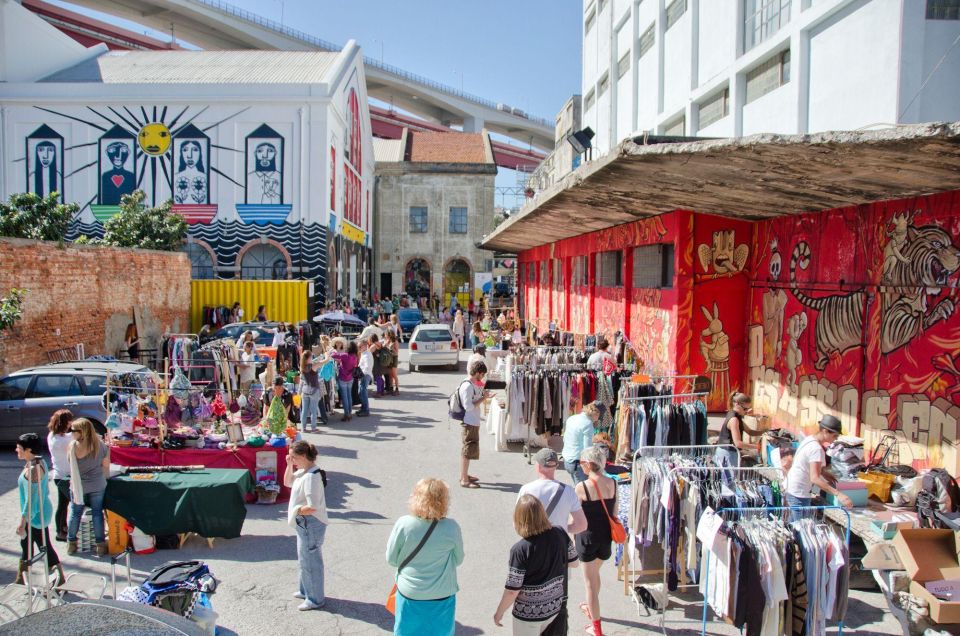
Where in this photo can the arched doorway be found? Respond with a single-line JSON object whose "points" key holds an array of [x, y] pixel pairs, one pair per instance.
{"points": [[456, 282], [264, 261], [416, 278]]}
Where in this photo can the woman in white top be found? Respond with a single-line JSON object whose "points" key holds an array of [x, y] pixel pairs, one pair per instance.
{"points": [[279, 334], [58, 442], [601, 355], [458, 329], [308, 514]]}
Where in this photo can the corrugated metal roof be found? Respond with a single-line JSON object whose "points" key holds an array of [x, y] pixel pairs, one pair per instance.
{"points": [[387, 149], [201, 67]]}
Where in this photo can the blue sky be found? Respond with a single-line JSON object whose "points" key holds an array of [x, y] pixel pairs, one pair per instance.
{"points": [[525, 53]]}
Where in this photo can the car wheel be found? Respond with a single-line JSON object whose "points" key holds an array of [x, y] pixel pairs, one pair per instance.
{"points": [[453, 367]]}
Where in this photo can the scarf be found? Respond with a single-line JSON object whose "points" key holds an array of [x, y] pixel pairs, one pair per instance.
{"points": [[76, 486]]}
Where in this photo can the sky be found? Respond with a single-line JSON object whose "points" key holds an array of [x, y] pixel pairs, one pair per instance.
{"points": [[525, 53]]}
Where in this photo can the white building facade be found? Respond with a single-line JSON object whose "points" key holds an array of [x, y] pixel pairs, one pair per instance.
{"points": [[722, 68], [267, 154]]}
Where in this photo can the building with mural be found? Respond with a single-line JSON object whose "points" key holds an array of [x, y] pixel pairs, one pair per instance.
{"points": [[266, 154], [434, 201], [818, 273]]}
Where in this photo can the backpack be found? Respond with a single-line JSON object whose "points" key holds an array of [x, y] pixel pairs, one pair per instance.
{"points": [[176, 586], [938, 493], [455, 406]]}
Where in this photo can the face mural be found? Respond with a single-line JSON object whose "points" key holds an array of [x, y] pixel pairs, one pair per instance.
{"points": [[44, 162], [116, 166], [154, 139]]}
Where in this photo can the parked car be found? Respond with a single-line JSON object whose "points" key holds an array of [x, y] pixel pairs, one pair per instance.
{"points": [[433, 345], [409, 318], [234, 330], [29, 397]]}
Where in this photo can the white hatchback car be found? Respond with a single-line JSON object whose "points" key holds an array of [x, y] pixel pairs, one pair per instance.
{"points": [[433, 345]]}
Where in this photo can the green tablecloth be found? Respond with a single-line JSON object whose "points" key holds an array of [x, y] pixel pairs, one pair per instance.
{"points": [[209, 502]]}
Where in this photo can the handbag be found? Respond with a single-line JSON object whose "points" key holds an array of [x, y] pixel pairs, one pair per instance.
{"points": [[617, 532], [357, 373], [391, 603]]}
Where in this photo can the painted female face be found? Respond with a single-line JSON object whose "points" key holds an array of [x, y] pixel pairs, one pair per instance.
{"points": [[190, 153], [45, 154]]}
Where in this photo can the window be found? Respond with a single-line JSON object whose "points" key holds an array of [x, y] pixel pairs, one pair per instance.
{"points": [[588, 100], [333, 179], [610, 269], [943, 9], [94, 384], [14, 388], [761, 19], [623, 65], [557, 274], [674, 11], [434, 334], [201, 263], [579, 274], [418, 220], [770, 75], [531, 272], [653, 266], [647, 40], [588, 24], [544, 278], [676, 128], [48, 386], [263, 262], [458, 220], [715, 108], [604, 84]]}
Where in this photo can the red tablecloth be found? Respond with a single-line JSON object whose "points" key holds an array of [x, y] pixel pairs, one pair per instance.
{"points": [[243, 457]]}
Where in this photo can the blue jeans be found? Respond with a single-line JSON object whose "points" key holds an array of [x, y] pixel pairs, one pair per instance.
{"points": [[309, 406], [95, 501], [310, 533], [364, 402], [346, 398], [576, 472], [797, 501]]}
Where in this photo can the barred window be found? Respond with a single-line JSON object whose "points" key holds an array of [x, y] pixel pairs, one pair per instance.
{"points": [[770, 75], [418, 220], [715, 108], [647, 40], [653, 266], [610, 269]]}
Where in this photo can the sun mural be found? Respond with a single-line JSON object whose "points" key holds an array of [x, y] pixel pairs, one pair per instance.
{"points": [[158, 150]]}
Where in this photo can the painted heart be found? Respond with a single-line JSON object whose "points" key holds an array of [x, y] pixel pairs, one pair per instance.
{"points": [[117, 180]]}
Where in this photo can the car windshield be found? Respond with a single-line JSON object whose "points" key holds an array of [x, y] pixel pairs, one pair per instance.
{"points": [[409, 314], [434, 335]]}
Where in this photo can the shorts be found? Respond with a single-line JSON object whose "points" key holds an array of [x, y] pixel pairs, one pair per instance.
{"points": [[471, 441], [593, 551]]}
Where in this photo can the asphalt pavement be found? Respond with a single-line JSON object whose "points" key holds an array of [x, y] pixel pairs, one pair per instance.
{"points": [[372, 464]]}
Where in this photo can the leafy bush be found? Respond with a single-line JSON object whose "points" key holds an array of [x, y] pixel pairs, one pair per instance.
{"points": [[28, 215], [136, 225], [11, 308]]}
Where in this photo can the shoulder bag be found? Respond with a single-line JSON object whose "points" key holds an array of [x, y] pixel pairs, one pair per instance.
{"points": [[391, 603], [617, 532], [555, 499]]}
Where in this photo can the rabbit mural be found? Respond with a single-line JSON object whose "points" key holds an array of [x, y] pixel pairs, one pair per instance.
{"points": [[715, 349]]}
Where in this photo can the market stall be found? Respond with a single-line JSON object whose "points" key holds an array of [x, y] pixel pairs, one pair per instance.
{"points": [[209, 503]]}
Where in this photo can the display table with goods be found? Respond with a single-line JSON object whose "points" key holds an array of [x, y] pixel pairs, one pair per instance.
{"points": [[178, 424], [208, 502]]}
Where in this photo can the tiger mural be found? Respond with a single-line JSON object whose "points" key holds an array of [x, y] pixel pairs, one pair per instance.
{"points": [[925, 260], [840, 320]]}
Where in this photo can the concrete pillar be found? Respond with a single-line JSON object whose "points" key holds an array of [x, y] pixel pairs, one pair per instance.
{"points": [[473, 124]]}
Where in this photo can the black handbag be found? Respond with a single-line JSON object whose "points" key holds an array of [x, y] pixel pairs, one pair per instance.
{"points": [[357, 373]]}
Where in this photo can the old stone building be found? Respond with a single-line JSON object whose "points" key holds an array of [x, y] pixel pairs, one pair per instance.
{"points": [[434, 196]]}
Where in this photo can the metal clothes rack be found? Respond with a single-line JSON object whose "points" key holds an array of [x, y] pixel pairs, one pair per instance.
{"points": [[703, 626], [761, 471], [664, 397]]}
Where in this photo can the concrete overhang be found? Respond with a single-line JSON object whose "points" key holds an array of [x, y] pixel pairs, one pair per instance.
{"points": [[756, 177]]}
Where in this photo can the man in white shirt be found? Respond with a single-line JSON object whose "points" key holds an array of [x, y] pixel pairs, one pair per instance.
{"points": [[808, 465], [248, 367], [559, 500], [596, 359], [472, 394]]}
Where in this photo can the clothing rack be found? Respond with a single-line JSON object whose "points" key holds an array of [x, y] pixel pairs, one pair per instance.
{"points": [[703, 626], [663, 397], [684, 450], [760, 471]]}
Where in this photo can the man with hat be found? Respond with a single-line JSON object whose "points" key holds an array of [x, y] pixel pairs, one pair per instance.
{"points": [[808, 465], [559, 500]]}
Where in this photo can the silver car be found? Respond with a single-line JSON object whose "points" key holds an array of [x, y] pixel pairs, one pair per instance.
{"points": [[433, 345], [29, 397]]}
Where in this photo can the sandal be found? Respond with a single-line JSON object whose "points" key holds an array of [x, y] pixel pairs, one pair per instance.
{"points": [[469, 484], [473, 479]]}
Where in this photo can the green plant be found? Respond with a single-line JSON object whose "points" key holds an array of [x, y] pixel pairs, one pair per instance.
{"points": [[11, 308], [28, 215], [137, 225]]}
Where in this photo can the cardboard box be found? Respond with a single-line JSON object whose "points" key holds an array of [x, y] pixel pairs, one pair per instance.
{"points": [[930, 555]]}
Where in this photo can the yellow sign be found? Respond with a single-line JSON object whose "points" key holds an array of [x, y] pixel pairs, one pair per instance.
{"points": [[154, 139], [353, 233]]}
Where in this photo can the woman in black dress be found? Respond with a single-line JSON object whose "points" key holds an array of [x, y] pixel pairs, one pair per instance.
{"points": [[598, 497]]}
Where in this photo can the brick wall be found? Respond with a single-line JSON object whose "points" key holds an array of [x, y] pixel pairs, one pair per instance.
{"points": [[87, 294]]}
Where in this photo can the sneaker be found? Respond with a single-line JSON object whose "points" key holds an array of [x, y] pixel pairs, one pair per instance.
{"points": [[363, 413], [306, 606], [299, 596]]}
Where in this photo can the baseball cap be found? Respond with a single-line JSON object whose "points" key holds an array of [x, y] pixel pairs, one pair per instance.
{"points": [[831, 424], [546, 458]]}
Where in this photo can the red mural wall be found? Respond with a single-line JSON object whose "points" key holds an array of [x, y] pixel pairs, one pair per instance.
{"points": [[853, 313]]}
